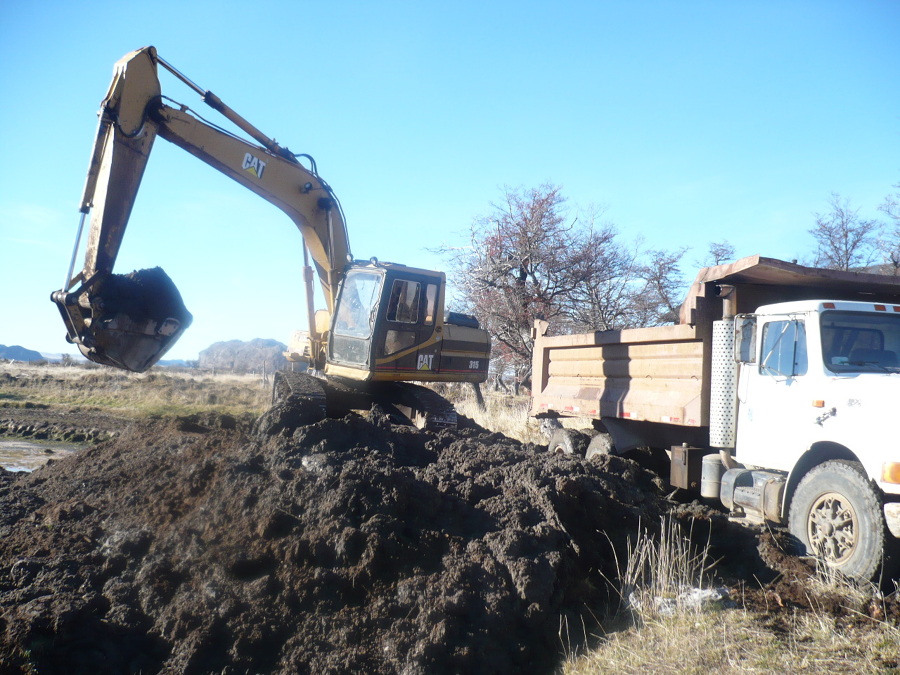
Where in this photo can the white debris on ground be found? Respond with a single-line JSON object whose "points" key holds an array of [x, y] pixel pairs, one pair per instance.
{"points": [[688, 600]]}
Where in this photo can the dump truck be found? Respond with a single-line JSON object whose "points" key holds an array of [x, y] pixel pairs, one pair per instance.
{"points": [[772, 395]]}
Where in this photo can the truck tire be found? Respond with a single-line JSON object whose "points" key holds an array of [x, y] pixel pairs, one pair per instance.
{"points": [[567, 442], [601, 444], [836, 514]]}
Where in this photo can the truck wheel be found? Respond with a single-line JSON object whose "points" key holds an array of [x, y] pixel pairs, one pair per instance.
{"points": [[836, 514], [567, 442], [601, 444]]}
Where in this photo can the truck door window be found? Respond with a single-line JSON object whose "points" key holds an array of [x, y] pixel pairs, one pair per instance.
{"points": [[784, 349], [403, 305]]}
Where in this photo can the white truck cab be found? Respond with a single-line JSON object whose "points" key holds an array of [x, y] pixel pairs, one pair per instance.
{"points": [[820, 373], [817, 383]]}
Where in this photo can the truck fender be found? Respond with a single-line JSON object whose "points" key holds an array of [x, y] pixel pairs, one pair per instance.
{"points": [[818, 453]]}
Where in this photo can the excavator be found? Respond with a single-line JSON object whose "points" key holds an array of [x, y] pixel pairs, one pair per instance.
{"points": [[384, 326]]}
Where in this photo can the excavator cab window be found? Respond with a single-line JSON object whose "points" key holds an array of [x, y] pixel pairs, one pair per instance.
{"points": [[355, 316], [404, 302], [398, 340], [430, 303], [403, 307], [382, 316]]}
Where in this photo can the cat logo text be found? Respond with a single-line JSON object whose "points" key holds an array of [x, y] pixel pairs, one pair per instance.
{"points": [[253, 165]]}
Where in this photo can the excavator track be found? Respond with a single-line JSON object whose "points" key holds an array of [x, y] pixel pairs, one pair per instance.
{"points": [[416, 404], [426, 409], [306, 388]]}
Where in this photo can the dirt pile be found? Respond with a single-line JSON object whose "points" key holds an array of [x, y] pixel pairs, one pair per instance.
{"points": [[344, 546]]}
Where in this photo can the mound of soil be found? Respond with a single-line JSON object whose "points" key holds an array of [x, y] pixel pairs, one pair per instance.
{"points": [[344, 546]]}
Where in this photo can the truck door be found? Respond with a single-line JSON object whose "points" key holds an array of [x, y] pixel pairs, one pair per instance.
{"points": [[775, 414]]}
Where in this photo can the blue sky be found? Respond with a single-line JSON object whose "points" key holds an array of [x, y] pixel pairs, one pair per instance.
{"points": [[690, 121]]}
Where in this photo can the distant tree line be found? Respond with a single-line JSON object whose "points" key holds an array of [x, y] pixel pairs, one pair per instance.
{"points": [[532, 257]]}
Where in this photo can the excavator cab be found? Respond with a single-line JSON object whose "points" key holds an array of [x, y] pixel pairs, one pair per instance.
{"points": [[389, 325]]}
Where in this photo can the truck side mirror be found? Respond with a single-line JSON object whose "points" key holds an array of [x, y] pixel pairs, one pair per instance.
{"points": [[745, 338]]}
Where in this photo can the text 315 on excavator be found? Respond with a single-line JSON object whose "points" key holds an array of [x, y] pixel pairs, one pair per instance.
{"points": [[384, 323]]}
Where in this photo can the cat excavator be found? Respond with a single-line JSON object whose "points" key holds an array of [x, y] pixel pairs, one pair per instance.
{"points": [[384, 326]]}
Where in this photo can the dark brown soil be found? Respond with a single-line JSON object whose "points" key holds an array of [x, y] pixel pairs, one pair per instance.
{"points": [[143, 294], [75, 425], [201, 545], [345, 546]]}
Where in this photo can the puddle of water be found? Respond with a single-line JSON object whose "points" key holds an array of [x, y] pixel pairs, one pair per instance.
{"points": [[16, 455]]}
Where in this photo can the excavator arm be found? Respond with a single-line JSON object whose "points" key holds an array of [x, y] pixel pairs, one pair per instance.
{"points": [[124, 322]]}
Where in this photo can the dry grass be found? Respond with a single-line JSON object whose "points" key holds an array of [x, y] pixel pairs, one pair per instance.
{"points": [[651, 633], [737, 641], [505, 414], [157, 392], [659, 570]]}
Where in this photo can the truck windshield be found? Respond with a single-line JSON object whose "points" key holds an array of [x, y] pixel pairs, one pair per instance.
{"points": [[861, 342]]}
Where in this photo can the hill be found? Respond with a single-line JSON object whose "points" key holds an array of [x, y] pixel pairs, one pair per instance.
{"points": [[240, 356], [17, 353]]}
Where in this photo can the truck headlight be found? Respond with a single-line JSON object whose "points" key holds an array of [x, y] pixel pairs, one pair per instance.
{"points": [[890, 472]]}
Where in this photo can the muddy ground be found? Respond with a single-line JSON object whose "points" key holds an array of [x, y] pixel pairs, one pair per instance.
{"points": [[215, 544]]}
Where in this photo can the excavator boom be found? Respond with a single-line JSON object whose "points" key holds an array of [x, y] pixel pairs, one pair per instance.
{"points": [[125, 333]]}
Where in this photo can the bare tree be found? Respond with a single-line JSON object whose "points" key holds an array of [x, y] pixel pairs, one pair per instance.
{"points": [[844, 240], [519, 267], [719, 252], [606, 271], [659, 301], [891, 205], [532, 258], [889, 242]]}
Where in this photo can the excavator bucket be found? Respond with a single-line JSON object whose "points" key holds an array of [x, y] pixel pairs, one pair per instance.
{"points": [[125, 321]]}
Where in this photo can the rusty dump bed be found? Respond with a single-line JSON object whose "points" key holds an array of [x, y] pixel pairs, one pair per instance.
{"points": [[653, 374], [661, 374]]}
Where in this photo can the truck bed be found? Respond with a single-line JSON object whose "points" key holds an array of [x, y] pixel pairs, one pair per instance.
{"points": [[647, 374]]}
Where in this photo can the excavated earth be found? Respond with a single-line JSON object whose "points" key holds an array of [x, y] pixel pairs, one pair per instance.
{"points": [[208, 545]]}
